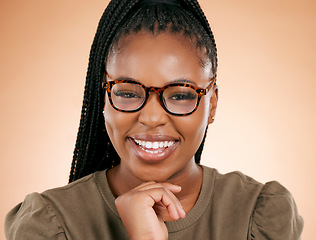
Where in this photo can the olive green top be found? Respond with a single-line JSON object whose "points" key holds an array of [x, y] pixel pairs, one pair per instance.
{"points": [[230, 206]]}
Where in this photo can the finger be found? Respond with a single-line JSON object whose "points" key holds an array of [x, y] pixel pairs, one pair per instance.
{"points": [[163, 197], [172, 187], [152, 184], [176, 189], [170, 202], [145, 185], [170, 190], [168, 187], [178, 206]]}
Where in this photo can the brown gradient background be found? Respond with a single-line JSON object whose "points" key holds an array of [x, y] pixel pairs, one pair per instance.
{"points": [[265, 123]]}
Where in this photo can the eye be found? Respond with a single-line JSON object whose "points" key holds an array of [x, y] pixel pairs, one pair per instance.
{"points": [[181, 96], [126, 94]]}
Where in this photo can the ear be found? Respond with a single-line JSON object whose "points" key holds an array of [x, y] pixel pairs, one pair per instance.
{"points": [[103, 113], [103, 110], [213, 105]]}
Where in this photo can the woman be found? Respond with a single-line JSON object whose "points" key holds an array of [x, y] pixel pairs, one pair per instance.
{"points": [[150, 95]]}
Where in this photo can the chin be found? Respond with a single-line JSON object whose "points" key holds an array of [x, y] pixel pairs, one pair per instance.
{"points": [[153, 174]]}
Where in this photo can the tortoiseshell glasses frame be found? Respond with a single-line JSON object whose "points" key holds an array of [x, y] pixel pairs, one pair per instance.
{"points": [[108, 85]]}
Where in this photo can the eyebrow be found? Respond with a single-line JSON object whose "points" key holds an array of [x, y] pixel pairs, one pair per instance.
{"points": [[180, 80]]}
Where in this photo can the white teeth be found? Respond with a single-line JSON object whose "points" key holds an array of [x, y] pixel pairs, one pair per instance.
{"points": [[154, 145], [149, 144]]}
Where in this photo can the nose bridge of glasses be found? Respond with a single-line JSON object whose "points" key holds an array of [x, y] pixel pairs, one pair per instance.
{"points": [[157, 90], [154, 89], [157, 97]]}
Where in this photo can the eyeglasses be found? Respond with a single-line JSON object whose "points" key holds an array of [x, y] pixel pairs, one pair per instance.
{"points": [[180, 99]]}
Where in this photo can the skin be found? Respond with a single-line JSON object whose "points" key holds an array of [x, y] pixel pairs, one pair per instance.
{"points": [[161, 190]]}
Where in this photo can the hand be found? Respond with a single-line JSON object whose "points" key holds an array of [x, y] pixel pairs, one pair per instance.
{"points": [[142, 210]]}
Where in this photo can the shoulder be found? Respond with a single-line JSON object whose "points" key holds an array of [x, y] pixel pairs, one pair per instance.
{"points": [[82, 186], [33, 219], [275, 215], [266, 211], [233, 183], [70, 201], [42, 216], [233, 199]]}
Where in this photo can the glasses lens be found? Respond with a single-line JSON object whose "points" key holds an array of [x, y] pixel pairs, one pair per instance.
{"points": [[127, 96], [179, 99]]}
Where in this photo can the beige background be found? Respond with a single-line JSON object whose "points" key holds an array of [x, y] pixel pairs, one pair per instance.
{"points": [[265, 124]]}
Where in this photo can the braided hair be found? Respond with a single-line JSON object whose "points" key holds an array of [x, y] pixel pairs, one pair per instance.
{"points": [[93, 150]]}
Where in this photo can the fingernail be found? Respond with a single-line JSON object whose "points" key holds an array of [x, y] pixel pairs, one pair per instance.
{"points": [[182, 208], [183, 211]]}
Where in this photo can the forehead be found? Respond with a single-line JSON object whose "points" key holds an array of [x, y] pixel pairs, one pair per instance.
{"points": [[165, 56]]}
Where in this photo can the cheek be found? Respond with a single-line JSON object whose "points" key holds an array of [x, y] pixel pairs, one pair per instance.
{"points": [[192, 127], [117, 124]]}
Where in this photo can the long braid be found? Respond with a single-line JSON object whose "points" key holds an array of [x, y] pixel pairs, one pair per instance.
{"points": [[86, 138], [195, 6], [93, 150]]}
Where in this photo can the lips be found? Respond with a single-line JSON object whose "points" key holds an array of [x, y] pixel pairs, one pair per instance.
{"points": [[153, 151]]}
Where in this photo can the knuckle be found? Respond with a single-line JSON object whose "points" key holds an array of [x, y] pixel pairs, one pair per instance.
{"points": [[118, 200]]}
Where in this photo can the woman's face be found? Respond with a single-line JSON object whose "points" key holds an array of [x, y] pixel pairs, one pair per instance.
{"points": [[152, 144]]}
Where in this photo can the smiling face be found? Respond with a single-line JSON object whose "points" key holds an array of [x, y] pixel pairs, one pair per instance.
{"points": [[153, 144]]}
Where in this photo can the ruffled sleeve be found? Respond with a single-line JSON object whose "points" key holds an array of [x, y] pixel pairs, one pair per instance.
{"points": [[33, 219], [275, 216]]}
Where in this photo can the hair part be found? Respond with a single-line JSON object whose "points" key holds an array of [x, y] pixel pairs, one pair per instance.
{"points": [[94, 150]]}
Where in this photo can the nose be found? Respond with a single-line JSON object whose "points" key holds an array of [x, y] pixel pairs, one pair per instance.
{"points": [[152, 114]]}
